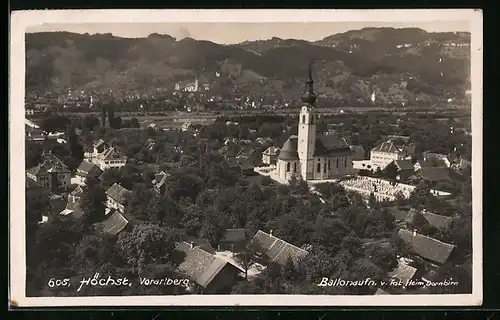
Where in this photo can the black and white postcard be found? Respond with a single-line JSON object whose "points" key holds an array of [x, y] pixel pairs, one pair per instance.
{"points": [[246, 157]]}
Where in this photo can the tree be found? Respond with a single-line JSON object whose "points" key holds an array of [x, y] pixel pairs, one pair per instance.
{"points": [[147, 244], [92, 202], [75, 148], [248, 256], [391, 171]]}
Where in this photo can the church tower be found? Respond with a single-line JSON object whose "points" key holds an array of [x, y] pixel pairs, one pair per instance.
{"points": [[307, 130]]}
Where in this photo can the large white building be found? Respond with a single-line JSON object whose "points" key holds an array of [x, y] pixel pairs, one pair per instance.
{"points": [[106, 156], [309, 156]]}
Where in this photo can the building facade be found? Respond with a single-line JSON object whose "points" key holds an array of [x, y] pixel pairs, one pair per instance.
{"points": [[385, 153], [105, 156], [51, 173], [309, 156]]}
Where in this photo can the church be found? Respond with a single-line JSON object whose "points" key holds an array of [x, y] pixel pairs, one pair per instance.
{"points": [[310, 156]]}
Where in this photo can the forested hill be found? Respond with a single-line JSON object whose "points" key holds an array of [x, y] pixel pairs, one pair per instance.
{"points": [[397, 64]]}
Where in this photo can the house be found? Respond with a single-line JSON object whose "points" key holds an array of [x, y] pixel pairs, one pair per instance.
{"points": [[431, 163], [403, 272], [187, 126], [78, 191], [159, 182], [51, 173], [385, 153], [106, 156], [117, 197], [429, 156], [73, 209], [358, 152], [209, 272], [429, 249], [87, 170], [433, 174], [231, 239], [270, 155], [276, 250], [405, 169], [113, 224], [435, 220]]}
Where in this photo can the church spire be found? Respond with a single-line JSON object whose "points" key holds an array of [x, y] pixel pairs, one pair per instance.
{"points": [[309, 97]]}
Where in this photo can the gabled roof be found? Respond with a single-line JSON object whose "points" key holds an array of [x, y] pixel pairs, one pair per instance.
{"points": [[78, 191], [388, 147], [331, 144], [404, 164], [233, 235], [114, 224], [277, 250], [30, 183], [436, 220], [160, 179], [272, 151], [50, 163], [434, 174], [394, 137], [427, 247], [199, 265], [431, 155], [86, 167], [112, 154], [118, 193]]}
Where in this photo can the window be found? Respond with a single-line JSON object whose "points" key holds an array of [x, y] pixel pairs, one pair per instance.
{"points": [[312, 119], [337, 163], [295, 167], [345, 162], [329, 164], [303, 118], [324, 167], [288, 167], [318, 169]]}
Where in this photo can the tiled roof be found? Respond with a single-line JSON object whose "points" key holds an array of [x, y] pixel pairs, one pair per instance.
{"points": [[199, 265], [78, 191], [434, 174], [30, 183], [113, 154], [403, 272], [118, 193], [277, 250], [331, 144], [436, 220], [404, 164], [233, 235], [49, 163], [388, 147], [272, 151], [114, 224], [393, 137], [86, 167], [427, 247]]}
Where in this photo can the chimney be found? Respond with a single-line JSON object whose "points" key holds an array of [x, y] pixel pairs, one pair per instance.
{"points": [[414, 232]]}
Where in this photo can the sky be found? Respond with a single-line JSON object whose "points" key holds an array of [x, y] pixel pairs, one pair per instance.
{"points": [[231, 32]]}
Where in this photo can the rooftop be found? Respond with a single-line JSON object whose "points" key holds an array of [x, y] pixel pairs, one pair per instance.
{"points": [[118, 193], [277, 250], [427, 247]]}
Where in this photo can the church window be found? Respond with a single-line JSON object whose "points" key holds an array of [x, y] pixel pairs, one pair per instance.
{"points": [[303, 118], [345, 162], [329, 164], [294, 167], [324, 167], [288, 167], [312, 119], [318, 169], [337, 163]]}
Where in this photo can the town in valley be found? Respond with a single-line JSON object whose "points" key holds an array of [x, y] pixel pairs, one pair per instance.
{"points": [[263, 167]]}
